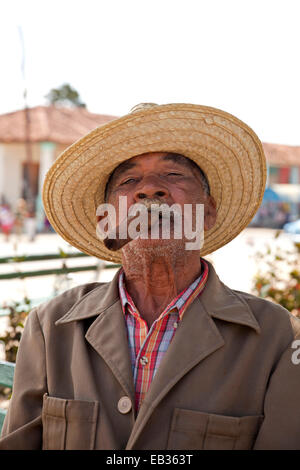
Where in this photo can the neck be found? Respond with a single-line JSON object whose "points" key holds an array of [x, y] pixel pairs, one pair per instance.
{"points": [[156, 275]]}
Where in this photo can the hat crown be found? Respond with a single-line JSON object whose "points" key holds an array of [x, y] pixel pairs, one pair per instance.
{"points": [[140, 106]]}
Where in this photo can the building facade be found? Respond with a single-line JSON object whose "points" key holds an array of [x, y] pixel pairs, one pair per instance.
{"points": [[30, 141]]}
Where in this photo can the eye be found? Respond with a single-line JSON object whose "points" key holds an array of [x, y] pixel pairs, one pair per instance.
{"points": [[128, 181], [173, 174]]}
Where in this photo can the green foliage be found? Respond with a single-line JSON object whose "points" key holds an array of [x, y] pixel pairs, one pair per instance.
{"points": [[65, 95], [17, 313], [278, 278]]}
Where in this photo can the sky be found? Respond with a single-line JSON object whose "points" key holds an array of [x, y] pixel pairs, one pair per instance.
{"points": [[241, 56]]}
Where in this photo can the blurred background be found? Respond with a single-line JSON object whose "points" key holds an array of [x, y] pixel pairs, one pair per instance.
{"points": [[70, 66]]}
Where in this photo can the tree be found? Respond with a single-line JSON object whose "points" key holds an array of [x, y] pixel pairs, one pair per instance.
{"points": [[278, 278], [65, 95]]}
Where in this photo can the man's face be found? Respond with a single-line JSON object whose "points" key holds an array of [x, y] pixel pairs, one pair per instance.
{"points": [[157, 176]]}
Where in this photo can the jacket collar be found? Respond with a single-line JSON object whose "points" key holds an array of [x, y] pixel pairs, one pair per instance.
{"points": [[94, 302], [217, 299], [226, 304]]}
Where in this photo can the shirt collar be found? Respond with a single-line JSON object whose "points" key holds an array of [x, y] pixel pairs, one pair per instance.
{"points": [[180, 302], [218, 300]]}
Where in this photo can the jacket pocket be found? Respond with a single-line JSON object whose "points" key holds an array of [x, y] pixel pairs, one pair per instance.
{"points": [[69, 424], [193, 430]]}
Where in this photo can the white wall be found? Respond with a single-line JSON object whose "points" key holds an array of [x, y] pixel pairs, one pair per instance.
{"points": [[11, 172], [47, 157], [2, 163], [11, 177]]}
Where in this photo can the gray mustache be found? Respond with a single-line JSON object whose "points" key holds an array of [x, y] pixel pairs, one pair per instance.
{"points": [[157, 205], [149, 202]]}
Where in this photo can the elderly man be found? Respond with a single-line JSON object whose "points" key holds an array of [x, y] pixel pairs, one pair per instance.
{"points": [[165, 356]]}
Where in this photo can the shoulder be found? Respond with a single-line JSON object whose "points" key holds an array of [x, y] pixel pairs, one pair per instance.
{"points": [[55, 308], [271, 315]]}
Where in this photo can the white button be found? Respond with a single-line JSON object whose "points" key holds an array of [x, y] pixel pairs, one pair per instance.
{"points": [[175, 324], [124, 405], [144, 360]]}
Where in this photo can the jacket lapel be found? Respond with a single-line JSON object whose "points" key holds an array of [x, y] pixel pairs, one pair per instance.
{"points": [[107, 334], [196, 338]]}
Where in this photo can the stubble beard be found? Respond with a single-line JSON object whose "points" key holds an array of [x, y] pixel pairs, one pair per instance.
{"points": [[140, 253]]}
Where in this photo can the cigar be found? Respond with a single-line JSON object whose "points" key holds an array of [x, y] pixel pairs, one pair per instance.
{"points": [[117, 243], [113, 242]]}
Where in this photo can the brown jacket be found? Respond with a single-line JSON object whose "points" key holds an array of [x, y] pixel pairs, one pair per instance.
{"points": [[227, 381]]}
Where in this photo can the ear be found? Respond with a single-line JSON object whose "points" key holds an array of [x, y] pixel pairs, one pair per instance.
{"points": [[210, 213]]}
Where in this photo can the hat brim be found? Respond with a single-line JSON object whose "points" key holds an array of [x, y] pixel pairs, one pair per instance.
{"points": [[226, 149]]}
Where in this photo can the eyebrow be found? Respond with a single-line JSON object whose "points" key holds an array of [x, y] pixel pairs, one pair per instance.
{"points": [[125, 166], [188, 163], [177, 158]]}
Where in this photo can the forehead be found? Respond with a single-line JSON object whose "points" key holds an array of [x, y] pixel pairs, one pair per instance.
{"points": [[148, 157], [153, 158]]}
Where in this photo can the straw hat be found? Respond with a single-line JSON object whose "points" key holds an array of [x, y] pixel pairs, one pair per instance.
{"points": [[226, 149]]}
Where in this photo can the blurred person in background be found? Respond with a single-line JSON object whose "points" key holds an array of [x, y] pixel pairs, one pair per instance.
{"points": [[30, 222], [20, 215], [7, 220]]}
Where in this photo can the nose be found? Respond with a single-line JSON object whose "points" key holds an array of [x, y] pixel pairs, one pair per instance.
{"points": [[151, 187]]}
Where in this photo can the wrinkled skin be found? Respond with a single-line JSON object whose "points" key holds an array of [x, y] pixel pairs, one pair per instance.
{"points": [[158, 270]]}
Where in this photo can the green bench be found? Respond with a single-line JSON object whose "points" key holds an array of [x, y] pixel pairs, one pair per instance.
{"points": [[7, 370], [64, 269]]}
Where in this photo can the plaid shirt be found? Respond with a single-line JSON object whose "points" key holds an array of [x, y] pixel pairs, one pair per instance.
{"points": [[148, 346]]}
